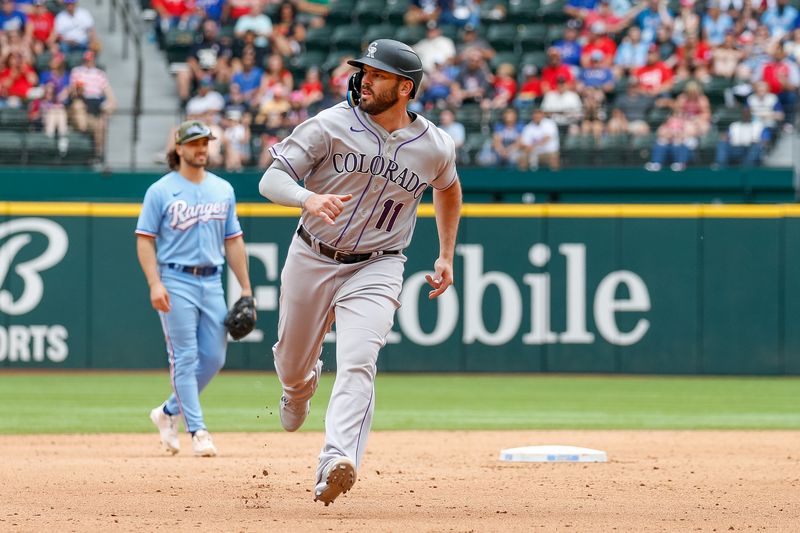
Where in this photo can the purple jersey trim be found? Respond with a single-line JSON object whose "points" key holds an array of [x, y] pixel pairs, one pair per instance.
{"points": [[282, 158], [369, 182], [411, 140], [386, 182]]}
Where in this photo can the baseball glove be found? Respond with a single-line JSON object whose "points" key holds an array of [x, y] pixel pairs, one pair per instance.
{"points": [[241, 319]]}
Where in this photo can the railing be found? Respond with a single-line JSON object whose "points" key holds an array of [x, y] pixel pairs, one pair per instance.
{"points": [[131, 32]]}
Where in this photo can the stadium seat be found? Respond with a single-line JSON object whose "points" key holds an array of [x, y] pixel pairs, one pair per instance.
{"points": [[340, 12], [534, 58], [523, 11], [471, 116], [43, 61], [715, 90], [319, 38], [492, 11], [347, 37], [724, 116], [505, 57], [11, 146], [553, 13], [395, 11], [334, 58], [40, 147], [14, 119], [300, 63], [613, 150], [532, 37], [410, 35], [502, 37], [369, 11], [177, 44], [554, 33], [657, 116], [378, 31], [81, 149], [473, 145]]}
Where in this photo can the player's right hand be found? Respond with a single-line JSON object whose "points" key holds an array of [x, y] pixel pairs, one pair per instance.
{"points": [[159, 297], [327, 206]]}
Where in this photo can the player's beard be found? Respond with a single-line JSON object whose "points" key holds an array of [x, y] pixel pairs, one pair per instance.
{"points": [[381, 101], [197, 160]]}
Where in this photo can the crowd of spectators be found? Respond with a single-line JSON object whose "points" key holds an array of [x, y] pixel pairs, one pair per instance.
{"points": [[608, 69], [48, 69]]}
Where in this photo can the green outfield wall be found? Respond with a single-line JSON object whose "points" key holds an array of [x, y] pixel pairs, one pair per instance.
{"points": [[589, 185], [679, 289]]}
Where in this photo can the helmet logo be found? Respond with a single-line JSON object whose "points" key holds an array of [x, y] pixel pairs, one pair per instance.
{"points": [[371, 49]]}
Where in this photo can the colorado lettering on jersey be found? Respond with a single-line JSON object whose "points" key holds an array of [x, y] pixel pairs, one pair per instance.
{"points": [[378, 165], [184, 216]]}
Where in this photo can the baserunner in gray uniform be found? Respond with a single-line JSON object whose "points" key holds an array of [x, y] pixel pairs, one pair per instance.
{"points": [[365, 164]]}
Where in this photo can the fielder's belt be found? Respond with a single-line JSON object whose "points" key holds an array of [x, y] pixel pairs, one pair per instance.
{"points": [[340, 256]]}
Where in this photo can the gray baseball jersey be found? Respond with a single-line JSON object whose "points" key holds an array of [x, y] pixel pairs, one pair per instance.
{"points": [[343, 151], [340, 151]]}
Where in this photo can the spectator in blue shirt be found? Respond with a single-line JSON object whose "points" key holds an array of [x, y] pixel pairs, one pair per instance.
{"points": [[249, 78], [12, 19], [596, 76], [631, 54], [569, 47], [211, 8], [649, 19], [781, 18], [577, 9], [716, 24]]}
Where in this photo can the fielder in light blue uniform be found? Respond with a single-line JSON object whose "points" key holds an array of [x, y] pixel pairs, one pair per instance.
{"points": [[187, 228]]}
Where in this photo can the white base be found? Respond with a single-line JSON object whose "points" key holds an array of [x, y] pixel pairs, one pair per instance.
{"points": [[553, 454]]}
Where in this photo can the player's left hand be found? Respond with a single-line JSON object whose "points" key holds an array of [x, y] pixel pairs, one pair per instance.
{"points": [[441, 279]]}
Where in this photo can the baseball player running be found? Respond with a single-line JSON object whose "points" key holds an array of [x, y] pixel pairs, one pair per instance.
{"points": [[188, 218], [365, 164]]}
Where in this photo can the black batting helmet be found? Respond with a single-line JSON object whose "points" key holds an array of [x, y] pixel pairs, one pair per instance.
{"points": [[391, 56]]}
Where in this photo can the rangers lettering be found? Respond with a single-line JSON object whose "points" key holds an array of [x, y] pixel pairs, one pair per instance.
{"points": [[184, 216]]}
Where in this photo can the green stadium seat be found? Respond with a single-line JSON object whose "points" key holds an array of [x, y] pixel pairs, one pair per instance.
{"points": [[473, 145], [523, 10], [340, 12], [43, 61], [553, 13], [724, 116], [81, 149], [493, 11], [715, 90], [14, 119], [319, 38], [378, 31], [369, 11], [534, 58], [11, 147], [302, 62], [177, 44], [451, 31], [410, 35], [334, 58], [347, 37], [613, 150], [395, 11], [502, 37], [657, 116], [555, 33], [471, 116], [40, 147], [532, 37], [505, 57], [226, 31]]}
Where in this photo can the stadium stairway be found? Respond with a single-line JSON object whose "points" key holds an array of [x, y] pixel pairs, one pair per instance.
{"points": [[159, 95]]}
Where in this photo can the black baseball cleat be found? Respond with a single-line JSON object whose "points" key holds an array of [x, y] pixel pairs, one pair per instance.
{"points": [[339, 477]]}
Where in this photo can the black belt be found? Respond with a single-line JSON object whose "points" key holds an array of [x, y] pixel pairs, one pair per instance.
{"points": [[195, 270], [338, 255]]}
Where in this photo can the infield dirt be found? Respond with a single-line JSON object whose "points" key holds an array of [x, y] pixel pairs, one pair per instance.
{"points": [[410, 481]]}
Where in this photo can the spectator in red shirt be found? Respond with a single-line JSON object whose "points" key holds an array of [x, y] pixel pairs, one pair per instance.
{"points": [[531, 89], [655, 78], [505, 86], [39, 30], [612, 23], [694, 59], [16, 80], [554, 70], [599, 41], [782, 76], [181, 14]]}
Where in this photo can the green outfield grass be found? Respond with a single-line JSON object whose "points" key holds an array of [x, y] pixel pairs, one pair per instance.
{"points": [[71, 402]]}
